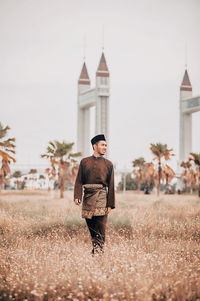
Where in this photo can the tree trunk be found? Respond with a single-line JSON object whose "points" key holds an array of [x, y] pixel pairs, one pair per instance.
{"points": [[167, 179], [199, 183], [167, 183], [159, 177], [124, 182], [1, 182], [17, 184], [61, 188], [61, 192], [61, 178]]}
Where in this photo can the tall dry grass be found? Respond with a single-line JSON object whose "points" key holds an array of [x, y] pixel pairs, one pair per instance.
{"points": [[152, 249]]}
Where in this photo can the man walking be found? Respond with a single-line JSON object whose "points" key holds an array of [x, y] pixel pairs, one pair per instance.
{"points": [[94, 188]]}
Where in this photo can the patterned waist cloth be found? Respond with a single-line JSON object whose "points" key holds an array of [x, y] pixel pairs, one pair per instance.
{"points": [[94, 200]]}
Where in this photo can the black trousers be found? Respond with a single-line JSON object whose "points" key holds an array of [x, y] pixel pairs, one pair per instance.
{"points": [[97, 228]]}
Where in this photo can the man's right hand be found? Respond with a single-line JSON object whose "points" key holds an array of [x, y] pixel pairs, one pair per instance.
{"points": [[77, 201]]}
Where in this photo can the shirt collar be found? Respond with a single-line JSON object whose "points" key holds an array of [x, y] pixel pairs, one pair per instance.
{"points": [[97, 158]]}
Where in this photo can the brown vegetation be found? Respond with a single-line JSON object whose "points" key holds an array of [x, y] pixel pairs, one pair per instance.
{"points": [[152, 249]]}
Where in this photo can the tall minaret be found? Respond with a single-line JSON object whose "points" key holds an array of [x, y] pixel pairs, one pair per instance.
{"points": [[83, 128], [102, 101], [185, 134]]}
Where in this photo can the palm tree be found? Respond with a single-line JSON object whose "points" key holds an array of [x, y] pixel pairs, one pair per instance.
{"points": [[17, 174], [59, 154], [51, 173], [33, 171], [139, 164], [196, 158], [7, 146], [167, 174], [187, 175], [150, 174], [160, 151]]}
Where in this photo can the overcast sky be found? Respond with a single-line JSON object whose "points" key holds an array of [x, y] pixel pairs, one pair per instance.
{"points": [[41, 56]]}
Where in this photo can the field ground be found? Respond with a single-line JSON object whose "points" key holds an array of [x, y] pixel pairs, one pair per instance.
{"points": [[152, 249]]}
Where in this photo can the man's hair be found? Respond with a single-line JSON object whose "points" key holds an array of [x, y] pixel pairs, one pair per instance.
{"points": [[95, 144]]}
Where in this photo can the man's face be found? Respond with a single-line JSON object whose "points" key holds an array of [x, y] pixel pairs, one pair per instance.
{"points": [[101, 147]]}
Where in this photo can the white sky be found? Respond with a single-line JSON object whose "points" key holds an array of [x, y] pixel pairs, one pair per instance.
{"points": [[41, 56]]}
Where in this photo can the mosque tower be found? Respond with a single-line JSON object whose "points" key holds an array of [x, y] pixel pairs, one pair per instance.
{"points": [[83, 114], [185, 134], [102, 100], [97, 97]]}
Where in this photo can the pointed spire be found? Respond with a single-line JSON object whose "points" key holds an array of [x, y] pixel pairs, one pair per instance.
{"points": [[84, 77], [186, 84], [102, 68]]}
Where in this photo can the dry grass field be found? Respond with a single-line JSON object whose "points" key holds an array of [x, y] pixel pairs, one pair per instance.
{"points": [[152, 249]]}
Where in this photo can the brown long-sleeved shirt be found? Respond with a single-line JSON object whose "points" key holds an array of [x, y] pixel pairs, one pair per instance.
{"points": [[96, 170]]}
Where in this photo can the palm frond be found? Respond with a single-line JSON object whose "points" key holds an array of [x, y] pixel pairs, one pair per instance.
{"points": [[45, 156], [161, 150], [6, 155], [74, 155], [196, 158], [7, 143], [10, 150], [3, 130], [139, 162], [52, 144]]}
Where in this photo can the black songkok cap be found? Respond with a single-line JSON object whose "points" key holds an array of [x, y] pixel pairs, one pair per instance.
{"points": [[97, 139]]}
